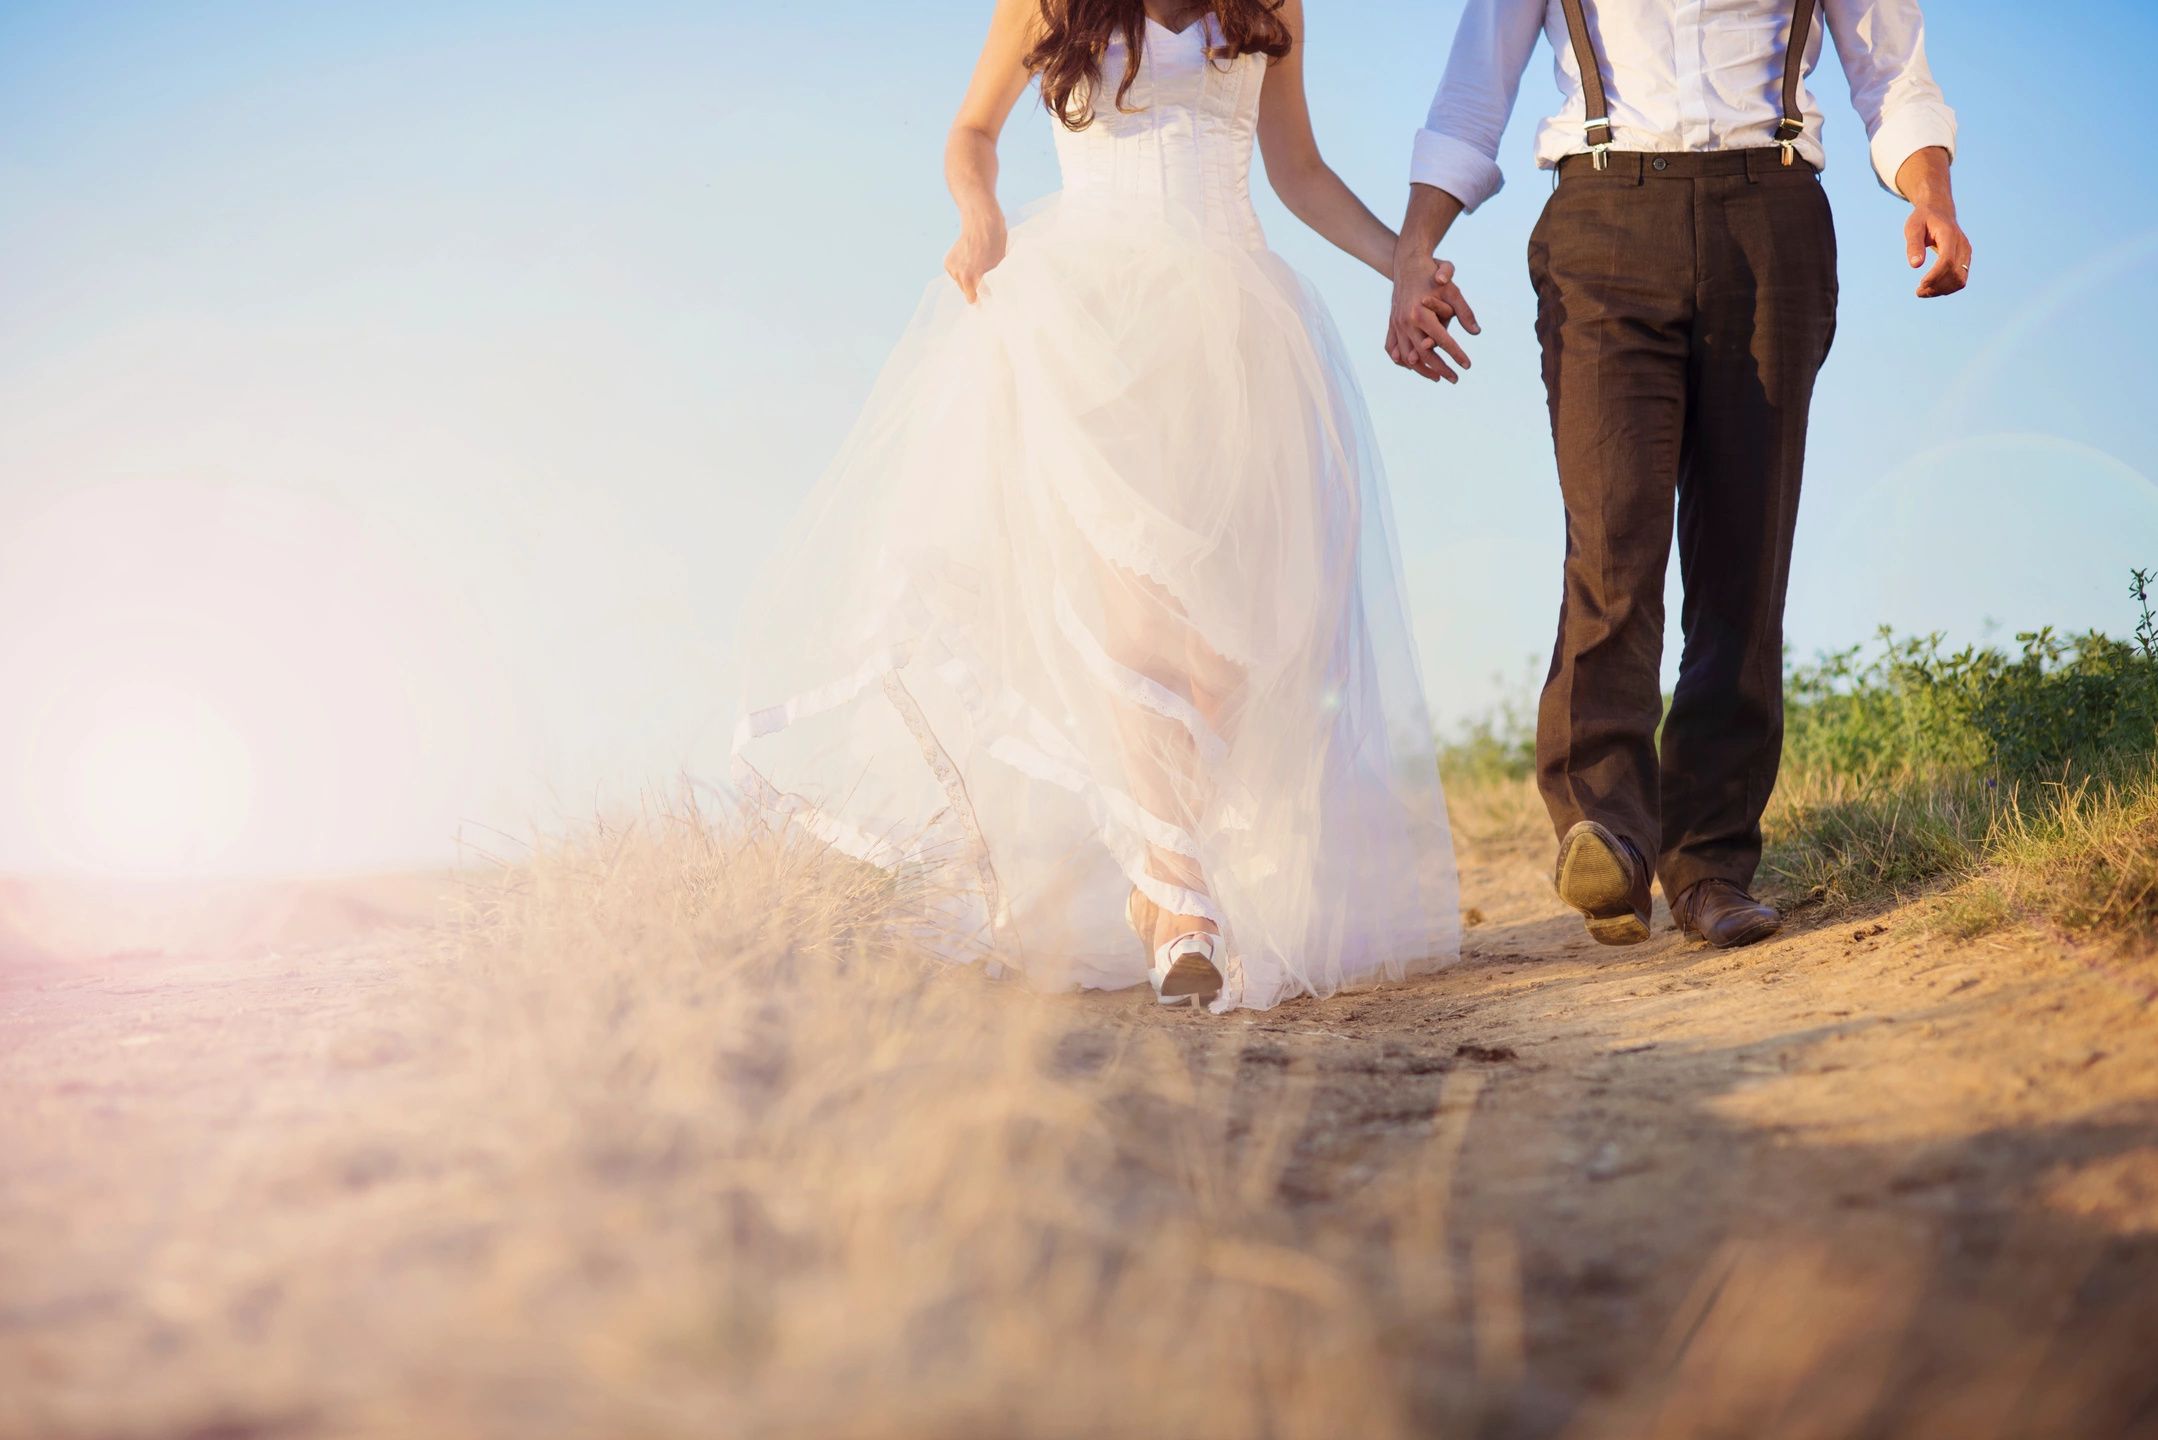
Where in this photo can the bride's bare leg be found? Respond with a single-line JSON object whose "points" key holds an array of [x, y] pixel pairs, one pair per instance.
{"points": [[1185, 874], [1160, 766], [1214, 686], [1150, 636]]}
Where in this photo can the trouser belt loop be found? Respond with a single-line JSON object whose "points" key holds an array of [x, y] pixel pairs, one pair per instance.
{"points": [[1615, 167]]}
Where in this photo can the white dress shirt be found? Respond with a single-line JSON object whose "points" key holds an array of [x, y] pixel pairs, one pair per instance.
{"points": [[1679, 75]]}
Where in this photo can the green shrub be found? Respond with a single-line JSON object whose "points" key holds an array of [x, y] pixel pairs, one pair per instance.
{"points": [[1497, 746], [2032, 770], [2059, 709]]}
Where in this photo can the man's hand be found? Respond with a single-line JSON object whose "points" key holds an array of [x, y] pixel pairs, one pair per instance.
{"points": [[1426, 300], [1426, 303], [1923, 179]]}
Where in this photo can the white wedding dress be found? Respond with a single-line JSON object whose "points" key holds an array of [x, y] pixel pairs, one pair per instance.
{"points": [[1102, 594]]}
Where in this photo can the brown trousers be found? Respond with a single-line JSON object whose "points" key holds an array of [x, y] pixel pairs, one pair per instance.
{"points": [[1685, 303]]}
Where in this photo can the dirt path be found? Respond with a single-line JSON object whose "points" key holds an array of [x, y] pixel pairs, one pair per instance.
{"points": [[1853, 1182], [1856, 1182]]}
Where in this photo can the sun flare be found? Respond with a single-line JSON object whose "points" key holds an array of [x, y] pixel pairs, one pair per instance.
{"points": [[159, 781]]}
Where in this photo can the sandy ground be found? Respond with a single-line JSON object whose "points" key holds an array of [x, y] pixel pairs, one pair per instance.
{"points": [[1851, 1182], [1855, 1182]]}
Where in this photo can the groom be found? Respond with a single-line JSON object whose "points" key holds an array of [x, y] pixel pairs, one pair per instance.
{"points": [[1685, 274]]}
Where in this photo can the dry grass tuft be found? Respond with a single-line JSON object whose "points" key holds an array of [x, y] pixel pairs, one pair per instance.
{"points": [[1844, 840], [840, 1188], [1496, 815], [2088, 861], [2082, 856]]}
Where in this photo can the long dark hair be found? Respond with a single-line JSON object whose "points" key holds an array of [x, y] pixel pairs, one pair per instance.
{"points": [[1076, 35]]}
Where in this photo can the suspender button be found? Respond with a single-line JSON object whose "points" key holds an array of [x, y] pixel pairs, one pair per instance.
{"points": [[1660, 164]]}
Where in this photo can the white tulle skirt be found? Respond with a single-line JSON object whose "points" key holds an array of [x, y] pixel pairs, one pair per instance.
{"points": [[1101, 595]]}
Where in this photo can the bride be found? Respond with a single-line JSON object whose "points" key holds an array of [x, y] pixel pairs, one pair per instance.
{"points": [[1096, 626]]}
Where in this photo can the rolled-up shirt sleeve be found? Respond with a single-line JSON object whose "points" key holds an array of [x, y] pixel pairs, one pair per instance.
{"points": [[1458, 149], [1882, 44]]}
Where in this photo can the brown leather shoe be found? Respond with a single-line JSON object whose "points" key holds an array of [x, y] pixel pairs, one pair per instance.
{"points": [[1604, 878], [1724, 915]]}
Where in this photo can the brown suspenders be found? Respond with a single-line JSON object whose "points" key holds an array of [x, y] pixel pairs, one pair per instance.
{"points": [[1793, 123], [1597, 108], [1592, 83]]}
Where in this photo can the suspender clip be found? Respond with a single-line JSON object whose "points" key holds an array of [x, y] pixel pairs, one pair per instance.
{"points": [[1600, 155], [1787, 133]]}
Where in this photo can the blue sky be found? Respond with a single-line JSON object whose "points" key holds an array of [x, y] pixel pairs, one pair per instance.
{"points": [[414, 386]]}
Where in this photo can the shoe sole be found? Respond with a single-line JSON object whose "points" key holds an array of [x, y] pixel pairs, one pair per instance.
{"points": [[1190, 977], [1594, 879]]}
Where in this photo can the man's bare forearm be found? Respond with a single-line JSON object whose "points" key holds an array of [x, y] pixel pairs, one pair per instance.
{"points": [[1923, 178], [1432, 213], [1924, 181]]}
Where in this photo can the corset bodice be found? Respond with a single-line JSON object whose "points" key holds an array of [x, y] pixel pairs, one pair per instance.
{"points": [[1182, 141]]}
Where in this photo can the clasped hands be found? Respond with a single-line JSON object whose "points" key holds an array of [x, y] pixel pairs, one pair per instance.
{"points": [[1419, 335]]}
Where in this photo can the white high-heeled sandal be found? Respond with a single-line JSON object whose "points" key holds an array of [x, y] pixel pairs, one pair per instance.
{"points": [[1181, 970], [1184, 969]]}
